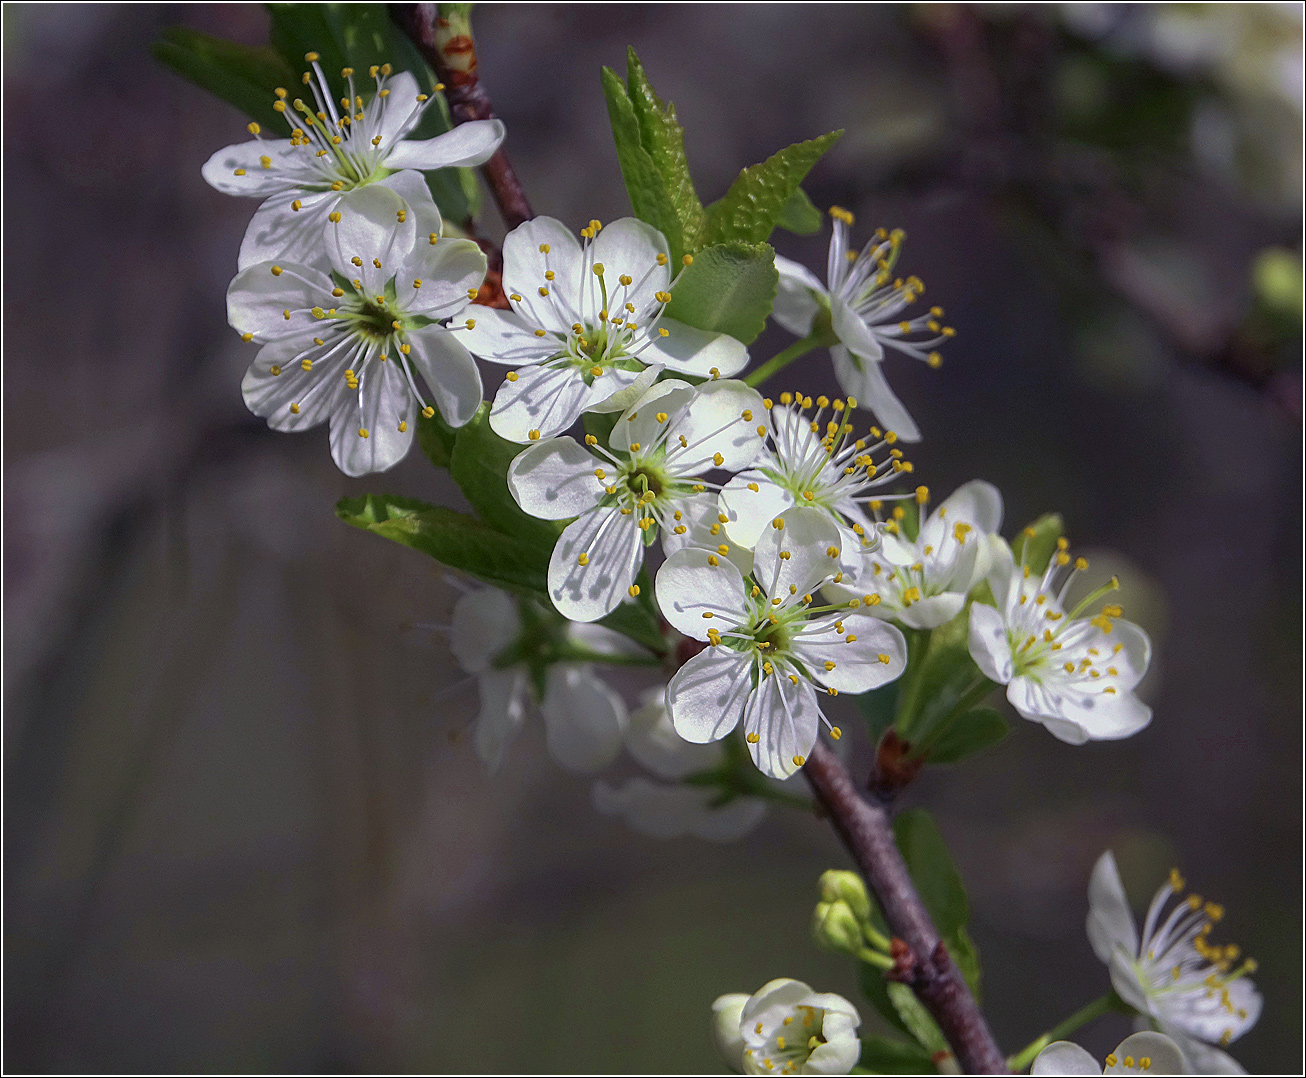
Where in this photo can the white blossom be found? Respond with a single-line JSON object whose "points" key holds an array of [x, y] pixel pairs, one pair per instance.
{"points": [[671, 808], [648, 482], [584, 719], [1073, 674], [1189, 987], [923, 582], [337, 147], [818, 465], [786, 1028], [586, 324], [347, 347], [864, 302], [769, 645], [1138, 1054]]}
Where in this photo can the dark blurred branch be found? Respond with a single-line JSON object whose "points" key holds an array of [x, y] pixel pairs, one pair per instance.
{"points": [[444, 39], [922, 960]]}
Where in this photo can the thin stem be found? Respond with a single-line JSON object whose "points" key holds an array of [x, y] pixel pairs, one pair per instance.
{"points": [[781, 360], [1086, 1014], [866, 832]]}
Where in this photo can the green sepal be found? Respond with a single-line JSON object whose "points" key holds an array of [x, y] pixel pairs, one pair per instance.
{"points": [[454, 539], [883, 1055], [241, 75], [752, 207], [479, 465], [800, 215], [729, 288], [967, 734], [1037, 549]]}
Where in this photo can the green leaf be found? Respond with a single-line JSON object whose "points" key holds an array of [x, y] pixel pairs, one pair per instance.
{"points": [[882, 1055], [944, 674], [639, 620], [930, 864], [453, 539], [729, 288], [241, 75], [879, 707], [965, 957], [876, 990], [664, 140], [753, 205], [479, 465], [648, 193], [435, 438], [1037, 541], [968, 734], [916, 1018], [799, 215]]}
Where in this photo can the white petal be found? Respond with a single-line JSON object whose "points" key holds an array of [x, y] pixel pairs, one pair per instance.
{"points": [[750, 512], [856, 652], [1110, 920], [639, 422], [411, 186], [555, 480], [674, 811], [707, 695], [314, 393], [694, 351], [469, 144], [1133, 659], [501, 716], [770, 1005], [583, 718], [370, 231], [219, 171], [505, 337], [714, 423], [689, 586], [699, 513], [932, 611], [1065, 1057], [853, 333], [524, 266], [613, 546], [795, 299], [976, 503], [652, 740], [988, 643], [629, 392], [864, 380], [796, 559], [277, 232], [449, 271], [449, 372], [785, 717], [726, 1013], [629, 247], [548, 400], [1161, 1050], [382, 405], [1004, 576], [1200, 1058], [484, 622], [842, 1048], [258, 299], [398, 105], [1101, 716]]}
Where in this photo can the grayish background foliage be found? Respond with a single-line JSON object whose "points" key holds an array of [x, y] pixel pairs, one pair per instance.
{"points": [[245, 829]]}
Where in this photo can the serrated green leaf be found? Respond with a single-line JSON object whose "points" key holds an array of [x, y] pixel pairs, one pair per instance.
{"points": [[241, 75], [968, 734], [664, 140], [937, 881], [451, 538], [729, 288], [881, 1055], [800, 215], [435, 439], [916, 1018], [1037, 548], [751, 208], [479, 465]]}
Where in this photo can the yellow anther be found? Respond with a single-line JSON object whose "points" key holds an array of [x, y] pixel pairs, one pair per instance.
{"points": [[884, 658], [533, 435], [294, 409], [363, 432], [543, 290], [753, 739], [840, 214], [798, 760], [922, 495]]}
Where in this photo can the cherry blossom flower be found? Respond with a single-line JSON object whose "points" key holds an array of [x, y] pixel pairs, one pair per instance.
{"points": [[863, 304], [786, 1028], [1190, 987], [770, 646], [1073, 674], [346, 347], [648, 482], [817, 465], [335, 148], [1138, 1054], [923, 583], [586, 324]]}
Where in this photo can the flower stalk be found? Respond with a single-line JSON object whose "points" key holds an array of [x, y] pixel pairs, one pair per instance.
{"points": [[1103, 1005]]}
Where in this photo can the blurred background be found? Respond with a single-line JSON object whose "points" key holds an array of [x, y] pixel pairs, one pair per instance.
{"points": [[244, 826]]}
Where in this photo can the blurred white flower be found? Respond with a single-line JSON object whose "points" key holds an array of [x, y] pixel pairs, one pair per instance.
{"points": [[1139, 1054], [786, 1028]]}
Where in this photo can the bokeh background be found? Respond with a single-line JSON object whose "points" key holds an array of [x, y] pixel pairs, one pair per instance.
{"points": [[244, 827]]}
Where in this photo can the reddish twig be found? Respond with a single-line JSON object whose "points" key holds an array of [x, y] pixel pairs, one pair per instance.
{"points": [[446, 44], [921, 960]]}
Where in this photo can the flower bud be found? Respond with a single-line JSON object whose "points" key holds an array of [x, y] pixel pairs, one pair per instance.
{"points": [[838, 885], [835, 928]]}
